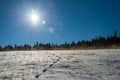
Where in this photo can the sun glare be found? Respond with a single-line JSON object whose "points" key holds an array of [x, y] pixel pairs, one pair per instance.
{"points": [[34, 17]]}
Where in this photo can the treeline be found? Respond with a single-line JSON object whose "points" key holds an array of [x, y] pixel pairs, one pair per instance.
{"points": [[96, 43]]}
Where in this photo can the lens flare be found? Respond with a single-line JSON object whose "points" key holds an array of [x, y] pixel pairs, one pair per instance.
{"points": [[43, 22], [34, 17]]}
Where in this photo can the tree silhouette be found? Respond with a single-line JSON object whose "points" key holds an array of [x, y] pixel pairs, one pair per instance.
{"points": [[0, 48], [27, 47], [97, 42], [8, 47], [115, 34]]}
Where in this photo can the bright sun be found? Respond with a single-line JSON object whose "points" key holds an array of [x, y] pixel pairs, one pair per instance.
{"points": [[34, 17]]}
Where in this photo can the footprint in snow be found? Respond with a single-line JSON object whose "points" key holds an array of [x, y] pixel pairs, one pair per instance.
{"points": [[37, 76], [44, 70], [51, 65], [57, 59]]}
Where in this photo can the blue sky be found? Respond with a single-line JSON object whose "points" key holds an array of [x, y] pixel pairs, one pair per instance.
{"points": [[66, 20]]}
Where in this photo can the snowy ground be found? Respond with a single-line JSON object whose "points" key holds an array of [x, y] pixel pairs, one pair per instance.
{"points": [[60, 65]]}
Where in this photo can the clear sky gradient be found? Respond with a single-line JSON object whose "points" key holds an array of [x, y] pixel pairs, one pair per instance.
{"points": [[66, 20]]}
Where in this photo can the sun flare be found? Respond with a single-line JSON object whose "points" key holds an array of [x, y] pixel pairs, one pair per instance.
{"points": [[43, 22], [34, 17]]}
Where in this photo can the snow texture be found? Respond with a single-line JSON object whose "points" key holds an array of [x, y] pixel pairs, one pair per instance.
{"points": [[60, 65]]}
